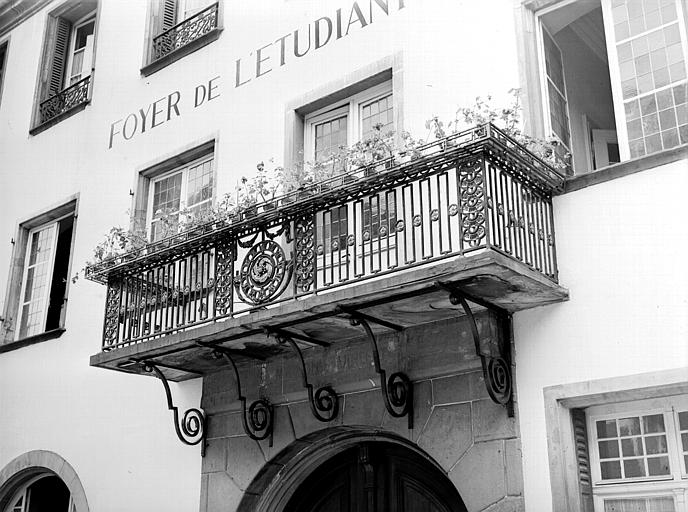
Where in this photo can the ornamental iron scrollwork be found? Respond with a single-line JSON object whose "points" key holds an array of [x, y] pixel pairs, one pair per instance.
{"points": [[305, 253], [224, 278], [496, 370], [324, 402], [112, 313], [191, 429], [472, 199], [185, 32], [397, 390], [65, 100], [258, 418], [264, 273]]}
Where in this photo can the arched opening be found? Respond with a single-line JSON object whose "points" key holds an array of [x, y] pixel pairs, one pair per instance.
{"points": [[376, 476], [352, 470], [44, 493], [41, 481]]}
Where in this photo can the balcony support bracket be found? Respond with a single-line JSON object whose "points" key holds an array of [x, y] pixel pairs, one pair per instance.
{"points": [[324, 402], [191, 429], [496, 370], [397, 390], [259, 417]]}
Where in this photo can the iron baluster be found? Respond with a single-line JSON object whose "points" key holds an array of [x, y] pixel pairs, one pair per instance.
{"points": [[397, 390], [495, 369], [324, 402], [191, 430], [258, 419]]}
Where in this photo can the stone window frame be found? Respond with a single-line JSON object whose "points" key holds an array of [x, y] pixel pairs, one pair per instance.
{"points": [[155, 26], [8, 340], [562, 402], [166, 164], [26, 467], [534, 99]]}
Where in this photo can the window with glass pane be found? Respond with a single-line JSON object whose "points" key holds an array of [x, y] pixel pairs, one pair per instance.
{"points": [[379, 217], [632, 447], [82, 52], [652, 70], [167, 194], [36, 281], [653, 504], [330, 136], [683, 428], [187, 191], [556, 90], [199, 194], [377, 113]]}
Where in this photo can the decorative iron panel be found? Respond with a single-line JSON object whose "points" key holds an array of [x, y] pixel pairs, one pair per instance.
{"points": [[464, 195], [185, 32], [65, 100]]}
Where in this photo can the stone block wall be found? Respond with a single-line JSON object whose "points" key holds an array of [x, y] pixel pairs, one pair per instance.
{"points": [[471, 438]]}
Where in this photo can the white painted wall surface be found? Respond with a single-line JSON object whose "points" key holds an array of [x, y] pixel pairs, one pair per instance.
{"points": [[114, 429], [621, 247]]}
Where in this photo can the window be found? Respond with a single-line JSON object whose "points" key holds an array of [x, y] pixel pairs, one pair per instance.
{"points": [[638, 453], [68, 58], [174, 190], [613, 78], [337, 126], [187, 190], [3, 56], [177, 28], [39, 279], [42, 494]]}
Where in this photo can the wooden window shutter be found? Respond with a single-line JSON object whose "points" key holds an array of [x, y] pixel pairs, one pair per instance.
{"points": [[580, 439], [59, 56], [169, 14]]}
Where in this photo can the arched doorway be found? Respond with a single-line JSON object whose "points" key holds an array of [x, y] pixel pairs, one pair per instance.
{"points": [[376, 477], [352, 469], [41, 481]]}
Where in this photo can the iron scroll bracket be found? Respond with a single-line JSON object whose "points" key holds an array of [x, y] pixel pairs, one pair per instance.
{"points": [[397, 390], [258, 418], [496, 370], [323, 402], [191, 429]]}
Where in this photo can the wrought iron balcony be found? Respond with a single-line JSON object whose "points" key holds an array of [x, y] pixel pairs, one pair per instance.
{"points": [[64, 101], [472, 211], [185, 32]]}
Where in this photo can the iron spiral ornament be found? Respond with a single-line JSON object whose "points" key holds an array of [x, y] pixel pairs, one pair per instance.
{"points": [[258, 419], [498, 380], [397, 390], [495, 369], [191, 429], [323, 402]]}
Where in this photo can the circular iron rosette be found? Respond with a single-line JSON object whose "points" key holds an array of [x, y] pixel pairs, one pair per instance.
{"points": [[265, 273]]}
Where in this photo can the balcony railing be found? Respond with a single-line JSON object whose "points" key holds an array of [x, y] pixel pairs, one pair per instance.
{"points": [[65, 100], [185, 32], [474, 191]]}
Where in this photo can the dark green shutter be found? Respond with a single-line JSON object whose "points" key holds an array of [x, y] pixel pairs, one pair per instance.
{"points": [[580, 439], [59, 56], [169, 14]]}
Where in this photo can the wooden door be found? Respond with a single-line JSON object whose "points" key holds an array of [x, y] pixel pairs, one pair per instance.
{"points": [[376, 477]]}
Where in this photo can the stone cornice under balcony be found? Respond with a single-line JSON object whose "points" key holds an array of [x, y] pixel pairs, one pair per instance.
{"points": [[471, 212]]}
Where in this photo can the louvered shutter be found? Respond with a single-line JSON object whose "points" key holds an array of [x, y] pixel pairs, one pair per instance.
{"points": [[169, 14], [580, 439], [59, 56]]}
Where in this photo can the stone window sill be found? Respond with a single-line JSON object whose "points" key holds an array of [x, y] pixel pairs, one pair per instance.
{"points": [[64, 115], [626, 168], [7, 346], [185, 50]]}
